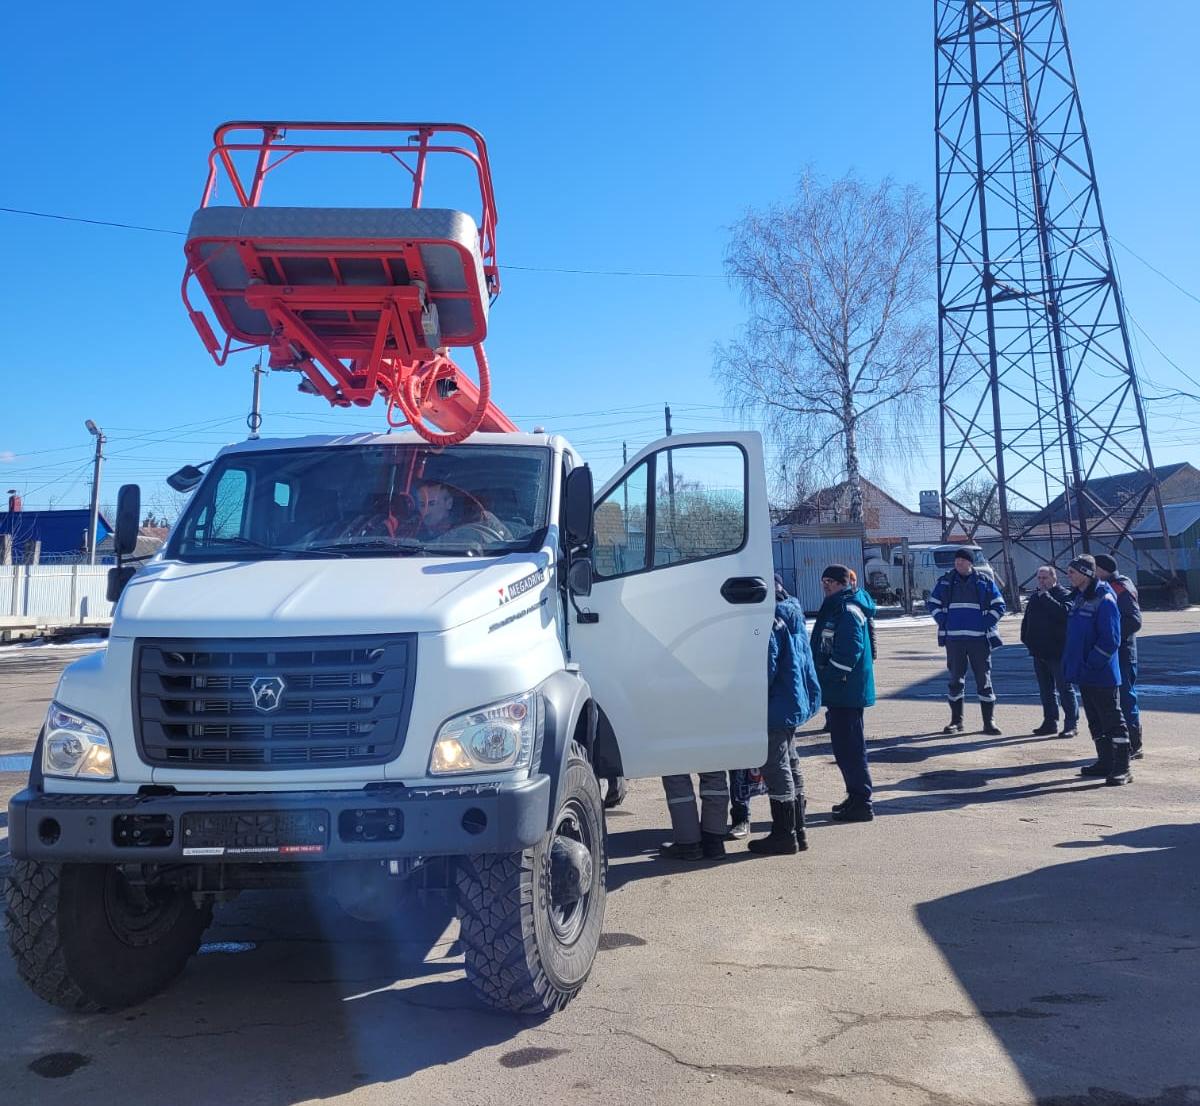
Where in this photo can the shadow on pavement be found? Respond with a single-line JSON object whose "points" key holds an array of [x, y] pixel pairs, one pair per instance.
{"points": [[953, 789], [1088, 971], [632, 856], [1168, 675], [294, 1001]]}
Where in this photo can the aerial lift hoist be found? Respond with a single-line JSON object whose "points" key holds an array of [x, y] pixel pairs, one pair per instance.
{"points": [[361, 302]]}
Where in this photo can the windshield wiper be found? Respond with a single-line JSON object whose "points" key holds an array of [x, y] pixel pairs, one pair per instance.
{"points": [[251, 543], [335, 549]]}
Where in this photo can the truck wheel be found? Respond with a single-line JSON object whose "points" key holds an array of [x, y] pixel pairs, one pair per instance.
{"points": [[85, 938], [530, 921]]}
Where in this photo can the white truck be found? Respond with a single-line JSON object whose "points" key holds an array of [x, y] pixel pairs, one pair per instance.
{"points": [[313, 681], [927, 564]]}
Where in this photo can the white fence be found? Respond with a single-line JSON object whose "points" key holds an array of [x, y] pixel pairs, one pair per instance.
{"points": [[54, 593]]}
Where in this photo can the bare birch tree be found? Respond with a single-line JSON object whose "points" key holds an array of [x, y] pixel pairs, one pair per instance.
{"points": [[836, 360]]}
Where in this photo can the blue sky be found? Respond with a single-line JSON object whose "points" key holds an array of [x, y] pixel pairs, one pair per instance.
{"points": [[624, 137]]}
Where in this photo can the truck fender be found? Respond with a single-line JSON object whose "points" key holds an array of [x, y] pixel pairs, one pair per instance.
{"points": [[569, 717]]}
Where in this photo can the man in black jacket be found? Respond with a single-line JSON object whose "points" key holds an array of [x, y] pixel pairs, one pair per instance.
{"points": [[1131, 622], [1044, 634]]}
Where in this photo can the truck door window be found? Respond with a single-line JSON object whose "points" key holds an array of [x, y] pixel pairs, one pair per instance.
{"points": [[699, 503], [228, 506], [620, 544]]}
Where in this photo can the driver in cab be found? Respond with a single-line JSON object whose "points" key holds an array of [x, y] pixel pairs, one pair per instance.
{"points": [[443, 508]]}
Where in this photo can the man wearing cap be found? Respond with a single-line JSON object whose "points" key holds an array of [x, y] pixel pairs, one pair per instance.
{"points": [[1131, 622], [841, 649], [967, 606], [793, 697], [1090, 661]]}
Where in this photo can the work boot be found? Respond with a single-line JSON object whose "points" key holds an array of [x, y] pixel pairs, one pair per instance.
{"points": [[1046, 729], [842, 805], [1102, 766], [681, 850], [781, 841], [1119, 769], [1135, 743], [712, 845], [615, 795], [956, 713], [989, 720], [856, 810], [801, 835]]}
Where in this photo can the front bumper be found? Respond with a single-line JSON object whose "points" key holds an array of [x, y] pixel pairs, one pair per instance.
{"points": [[398, 822]]}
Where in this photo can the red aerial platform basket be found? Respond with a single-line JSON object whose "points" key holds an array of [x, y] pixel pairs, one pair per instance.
{"points": [[363, 302]]}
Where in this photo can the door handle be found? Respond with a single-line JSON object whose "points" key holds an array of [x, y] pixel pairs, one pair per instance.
{"points": [[744, 589]]}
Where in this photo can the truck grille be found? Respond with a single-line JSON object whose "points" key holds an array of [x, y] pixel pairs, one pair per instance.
{"points": [[263, 703]]}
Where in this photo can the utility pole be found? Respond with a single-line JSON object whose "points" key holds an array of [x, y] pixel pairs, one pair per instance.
{"points": [[94, 516], [625, 483]]}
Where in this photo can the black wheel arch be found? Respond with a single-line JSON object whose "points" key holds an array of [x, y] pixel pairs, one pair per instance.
{"points": [[573, 716]]}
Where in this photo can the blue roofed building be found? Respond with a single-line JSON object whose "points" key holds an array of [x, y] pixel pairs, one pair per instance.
{"points": [[62, 533]]}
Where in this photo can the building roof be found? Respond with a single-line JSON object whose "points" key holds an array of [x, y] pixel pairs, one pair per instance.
{"points": [[1112, 491], [149, 542], [836, 499], [60, 532], [1180, 518]]}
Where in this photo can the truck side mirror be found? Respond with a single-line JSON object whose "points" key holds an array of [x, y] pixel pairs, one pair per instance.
{"points": [[117, 579], [129, 515], [577, 507], [579, 577], [185, 479]]}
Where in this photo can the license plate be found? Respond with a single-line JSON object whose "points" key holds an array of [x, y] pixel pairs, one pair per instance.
{"points": [[256, 833]]}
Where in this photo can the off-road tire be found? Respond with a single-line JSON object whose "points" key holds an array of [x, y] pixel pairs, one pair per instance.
{"points": [[514, 959], [71, 953]]}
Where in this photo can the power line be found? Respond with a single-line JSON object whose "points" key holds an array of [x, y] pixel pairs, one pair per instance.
{"points": [[515, 268], [1153, 269], [93, 222]]}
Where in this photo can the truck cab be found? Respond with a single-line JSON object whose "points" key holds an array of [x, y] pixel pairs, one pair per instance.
{"points": [[363, 655]]}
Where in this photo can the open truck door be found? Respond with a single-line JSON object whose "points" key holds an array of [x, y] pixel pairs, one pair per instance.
{"points": [[684, 593]]}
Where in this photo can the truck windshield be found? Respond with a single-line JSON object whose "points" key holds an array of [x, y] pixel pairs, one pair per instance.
{"points": [[944, 558], [368, 501]]}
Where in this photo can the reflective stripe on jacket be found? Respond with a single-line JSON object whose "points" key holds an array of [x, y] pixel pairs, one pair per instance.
{"points": [[975, 617], [841, 647]]}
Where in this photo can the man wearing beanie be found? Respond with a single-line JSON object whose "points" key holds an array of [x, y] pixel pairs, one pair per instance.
{"points": [[842, 650], [1131, 622], [1090, 661], [967, 606]]}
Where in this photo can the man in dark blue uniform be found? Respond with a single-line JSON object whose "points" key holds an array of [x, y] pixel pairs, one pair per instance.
{"points": [[1090, 661], [967, 606]]}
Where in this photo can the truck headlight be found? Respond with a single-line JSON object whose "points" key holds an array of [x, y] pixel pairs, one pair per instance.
{"points": [[493, 738], [75, 747]]}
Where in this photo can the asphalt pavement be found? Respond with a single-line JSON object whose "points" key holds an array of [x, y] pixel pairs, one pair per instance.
{"points": [[1004, 933]]}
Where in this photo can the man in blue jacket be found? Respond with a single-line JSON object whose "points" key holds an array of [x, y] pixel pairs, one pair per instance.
{"points": [[1090, 661], [967, 606], [793, 697], [845, 668], [1131, 622]]}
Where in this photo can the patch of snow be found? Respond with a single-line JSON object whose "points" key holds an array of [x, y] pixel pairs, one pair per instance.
{"points": [[1168, 689], [92, 641]]}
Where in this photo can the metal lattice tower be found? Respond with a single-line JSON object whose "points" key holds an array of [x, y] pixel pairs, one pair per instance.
{"points": [[1038, 391]]}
